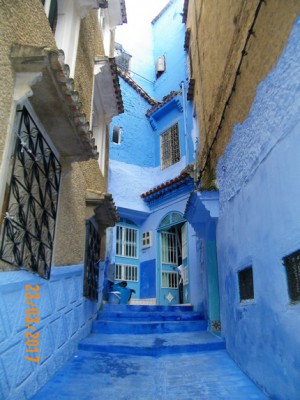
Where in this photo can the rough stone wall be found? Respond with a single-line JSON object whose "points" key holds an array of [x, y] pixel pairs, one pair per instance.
{"points": [[25, 22], [70, 233], [20, 21], [259, 226], [89, 45], [218, 34]]}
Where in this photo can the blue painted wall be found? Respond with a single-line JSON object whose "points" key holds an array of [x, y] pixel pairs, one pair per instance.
{"points": [[136, 134], [259, 224], [148, 279], [169, 42], [159, 211], [66, 318], [135, 163]]}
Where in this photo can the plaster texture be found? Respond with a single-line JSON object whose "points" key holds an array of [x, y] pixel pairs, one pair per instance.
{"points": [[90, 45], [70, 231], [208, 375], [25, 23], [259, 225], [19, 24], [185, 364], [66, 318], [218, 35], [139, 179], [136, 132], [169, 42]]}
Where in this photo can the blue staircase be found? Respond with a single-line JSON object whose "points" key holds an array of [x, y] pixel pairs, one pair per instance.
{"points": [[150, 330]]}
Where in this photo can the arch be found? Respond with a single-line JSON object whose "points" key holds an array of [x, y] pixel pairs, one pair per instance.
{"points": [[172, 218]]}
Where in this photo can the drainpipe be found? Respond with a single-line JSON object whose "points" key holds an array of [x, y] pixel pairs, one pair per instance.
{"points": [[187, 155]]}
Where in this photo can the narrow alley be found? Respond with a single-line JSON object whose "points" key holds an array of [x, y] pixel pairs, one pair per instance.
{"points": [[149, 199], [150, 352]]}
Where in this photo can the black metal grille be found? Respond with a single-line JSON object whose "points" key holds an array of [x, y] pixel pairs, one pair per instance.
{"points": [[91, 262], [292, 266], [28, 230], [246, 284]]}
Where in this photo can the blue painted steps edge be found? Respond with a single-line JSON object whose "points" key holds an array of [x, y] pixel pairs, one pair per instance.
{"points": [[149, 315], [149, 308], [148, 327], [153, 351]]}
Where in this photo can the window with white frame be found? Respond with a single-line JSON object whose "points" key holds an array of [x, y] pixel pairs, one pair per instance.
{"points": [[146, 240], [126, 272], [168, 248], [126, 243], [169, 280], [169, 147]]}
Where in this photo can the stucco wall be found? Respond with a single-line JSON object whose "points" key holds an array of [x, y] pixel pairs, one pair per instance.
{"points": [[219, 31], [66, 318], [259, 225], [70, 231], [136, 133], [89, 45], [20, 21], [168, 38], [25, 22]]}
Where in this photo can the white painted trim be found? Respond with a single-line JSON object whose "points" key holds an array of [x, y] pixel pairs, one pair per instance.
{"points": [[67, 32]]}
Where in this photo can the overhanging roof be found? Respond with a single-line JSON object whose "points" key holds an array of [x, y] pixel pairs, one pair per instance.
{"points": [[107, 88], [181, 180], [106, 213], [55, 101]]}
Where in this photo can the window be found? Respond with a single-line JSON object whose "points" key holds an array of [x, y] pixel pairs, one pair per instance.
{"points": [[31, 206], [91, 261], [246, 284], [168, 248], [292, 266], [160, 66], [169, 280], [126, 272], [147, 240], [169, 147], [126, 242], [116, 136]]}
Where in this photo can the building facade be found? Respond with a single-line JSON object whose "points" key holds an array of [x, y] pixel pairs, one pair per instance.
{"points": [[244, 74], [59, 91], [152, 152]]}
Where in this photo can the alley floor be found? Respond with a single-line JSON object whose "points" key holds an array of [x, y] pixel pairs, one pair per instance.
{"points": [[207, 375]]}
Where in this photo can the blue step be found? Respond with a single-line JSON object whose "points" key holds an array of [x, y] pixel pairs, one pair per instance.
{"points": [[149, 316], [150, 330], [147, 327], [152, 345], [147, 308]]}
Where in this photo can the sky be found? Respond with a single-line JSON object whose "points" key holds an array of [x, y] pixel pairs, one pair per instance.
{"points": [[140, 13], [136, 35]]}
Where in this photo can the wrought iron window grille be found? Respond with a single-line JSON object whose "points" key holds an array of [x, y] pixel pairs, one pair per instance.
{"points": [[27, 234], [91, 262]]}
